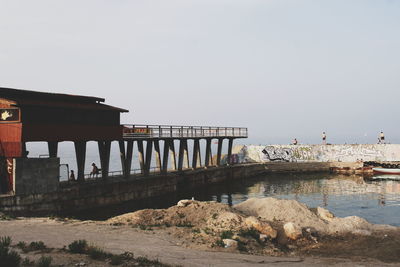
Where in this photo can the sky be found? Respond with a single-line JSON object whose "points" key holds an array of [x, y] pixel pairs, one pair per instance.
{"points": [[283, 68]]}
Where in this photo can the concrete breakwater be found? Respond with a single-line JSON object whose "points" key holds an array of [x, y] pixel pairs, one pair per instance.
{"points": [[318, 153]]}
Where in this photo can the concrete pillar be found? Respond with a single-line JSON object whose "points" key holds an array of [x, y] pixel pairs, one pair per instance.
{"points": [[104, 152], [172, 154], [128, 159], [219, 151], [158, 155], [164, 168], [208, 160], [80, 151], [53, 149], [183, 161], [141, 155], [196, 160], [122, 155], [149, 150], [230, 144]]}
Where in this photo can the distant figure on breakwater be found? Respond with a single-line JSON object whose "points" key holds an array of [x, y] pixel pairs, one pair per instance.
{"points": [[323, 138], [72, 176], [95, 170], [294, 142], [381, 138]]}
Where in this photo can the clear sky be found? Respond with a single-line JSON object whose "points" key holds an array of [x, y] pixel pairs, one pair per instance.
{"points": [[283, 68]]}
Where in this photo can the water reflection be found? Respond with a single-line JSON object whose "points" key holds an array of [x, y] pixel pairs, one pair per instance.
{"points": [[378, 201]]}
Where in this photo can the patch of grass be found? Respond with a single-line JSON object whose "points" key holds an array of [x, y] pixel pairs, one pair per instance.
{"points": [[6, 217], [143, 261], [5, 241], [36, 245], [9, 258], [117, 260], [196, 230], [181, 215], [219, 243], [22, 245], [97, 253], [250, 233], [78, 246], [226, 234], [184, 224], [241, 246], [27, 262], [44, 261]]}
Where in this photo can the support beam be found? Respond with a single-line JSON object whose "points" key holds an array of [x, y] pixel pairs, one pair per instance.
{"points": [[158, 154], [149, 150], [183, 161], [208, 159], [128, 159], [104, 152], [53, 149], [141, 155], [230, 144], [122, 155], [196, 160], [173, 154], [80, 151], [164, 168], [219, 151]]}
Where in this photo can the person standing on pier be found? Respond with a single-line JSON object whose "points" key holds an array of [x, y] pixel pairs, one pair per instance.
{"points": [[381, 138], [323, 138]]}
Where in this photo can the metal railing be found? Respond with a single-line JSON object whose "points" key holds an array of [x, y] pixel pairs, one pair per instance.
{"points": [[141, 131]]}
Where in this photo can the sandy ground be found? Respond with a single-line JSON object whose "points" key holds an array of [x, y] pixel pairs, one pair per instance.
{"points": [[152, 244]]}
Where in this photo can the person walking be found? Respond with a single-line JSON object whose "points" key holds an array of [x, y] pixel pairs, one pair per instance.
{"points": [[323, 138], [294, 142]]}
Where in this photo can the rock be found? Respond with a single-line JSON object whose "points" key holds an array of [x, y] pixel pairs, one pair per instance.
{"points": [[292, 231], [262, 227], [227, 221], [362, 232], [325, 214], [185, 202], [230, 243]]}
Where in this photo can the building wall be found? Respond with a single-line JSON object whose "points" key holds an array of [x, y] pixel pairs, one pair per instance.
{"points": [[36, 175], [319, 153]]}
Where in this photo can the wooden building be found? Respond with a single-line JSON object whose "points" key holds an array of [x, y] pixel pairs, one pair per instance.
{"points": [[30, 116]]}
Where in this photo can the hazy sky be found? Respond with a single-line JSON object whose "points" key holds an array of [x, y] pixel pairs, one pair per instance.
{"points": [[282, 68]]}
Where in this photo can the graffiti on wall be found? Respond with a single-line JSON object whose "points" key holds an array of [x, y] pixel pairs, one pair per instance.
{"points": [[287, 154]]}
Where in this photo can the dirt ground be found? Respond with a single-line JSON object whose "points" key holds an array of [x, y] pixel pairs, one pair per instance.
{"points": [[192, 235]]}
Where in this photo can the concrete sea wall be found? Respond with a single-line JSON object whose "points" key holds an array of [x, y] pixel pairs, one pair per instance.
{"points": [[318, 153], [76, 197]]}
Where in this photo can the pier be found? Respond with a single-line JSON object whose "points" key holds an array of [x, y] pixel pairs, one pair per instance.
{"points": [[30, 116]]}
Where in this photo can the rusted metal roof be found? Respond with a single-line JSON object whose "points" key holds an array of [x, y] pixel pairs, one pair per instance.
{"points": [[53, 100]]}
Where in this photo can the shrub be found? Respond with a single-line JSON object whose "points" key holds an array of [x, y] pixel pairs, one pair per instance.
{"points": [[117, 259], [5, 241], [219, 243], [143, 261], [21, 245], [78, 246], [9, 258], [97, 253], [44, 261], [36, 245], [226, 234], [27, 262]]}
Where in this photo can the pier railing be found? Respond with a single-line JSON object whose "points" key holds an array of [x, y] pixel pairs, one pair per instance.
{"points": [[138, 131]]}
